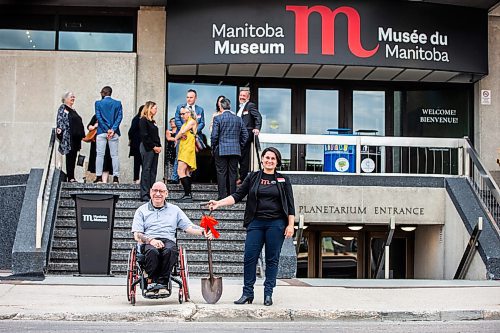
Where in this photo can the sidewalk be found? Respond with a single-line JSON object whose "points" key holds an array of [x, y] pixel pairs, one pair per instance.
{"points": [[104, 299]]}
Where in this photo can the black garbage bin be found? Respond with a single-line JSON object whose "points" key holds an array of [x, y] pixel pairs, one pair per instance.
{"points": [[95, 215]]}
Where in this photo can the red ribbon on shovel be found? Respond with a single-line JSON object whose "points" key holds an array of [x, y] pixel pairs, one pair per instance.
{"points": [[208, 222]]}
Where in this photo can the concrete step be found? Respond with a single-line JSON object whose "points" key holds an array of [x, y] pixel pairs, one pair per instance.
{"points": [[124, 223], [195, 214], [190, 245], [122, 256], [127, 235], [227, 250]]}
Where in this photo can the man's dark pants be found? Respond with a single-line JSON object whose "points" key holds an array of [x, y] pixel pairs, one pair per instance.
{"points": [[227, 169], [160, 262], [245, 156]]}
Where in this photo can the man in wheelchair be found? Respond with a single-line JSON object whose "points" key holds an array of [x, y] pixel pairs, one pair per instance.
{"points": [[154, 227]]}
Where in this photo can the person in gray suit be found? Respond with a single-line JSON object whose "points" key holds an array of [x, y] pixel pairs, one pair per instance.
{"points": [[229, 135]]}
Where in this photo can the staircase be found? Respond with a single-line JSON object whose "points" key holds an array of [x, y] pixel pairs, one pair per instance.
{"points": [[227, 250]]}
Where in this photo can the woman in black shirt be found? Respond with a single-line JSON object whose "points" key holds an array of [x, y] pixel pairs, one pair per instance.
{"points": [[150, 148], [269, 218], [134, 142]]}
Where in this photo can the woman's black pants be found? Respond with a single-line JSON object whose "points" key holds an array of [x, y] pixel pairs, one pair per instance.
{"points": [[259, 233]]}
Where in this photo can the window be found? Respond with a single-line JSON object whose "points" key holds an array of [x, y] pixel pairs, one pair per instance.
{"points": [[67, 32], [275, 106], [368, 111], [27, 32], [322, 113], [96, 33]]}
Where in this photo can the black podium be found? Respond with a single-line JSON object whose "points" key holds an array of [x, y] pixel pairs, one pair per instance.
{"points": [[95, 215]]}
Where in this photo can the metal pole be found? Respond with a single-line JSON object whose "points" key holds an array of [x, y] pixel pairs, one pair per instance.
{"points": [[392, 227], [358, 155], [386, 264]]}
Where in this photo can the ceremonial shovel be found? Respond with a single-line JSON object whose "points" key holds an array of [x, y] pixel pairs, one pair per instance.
{"points": [[211, 287]]}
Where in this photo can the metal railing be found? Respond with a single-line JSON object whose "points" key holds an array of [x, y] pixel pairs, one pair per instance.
{"points": [[51, 163], [482, 182], [412, 156], [388, 155]]}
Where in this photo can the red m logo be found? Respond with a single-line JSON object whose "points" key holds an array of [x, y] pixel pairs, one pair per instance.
{"points": [[327, 30]]}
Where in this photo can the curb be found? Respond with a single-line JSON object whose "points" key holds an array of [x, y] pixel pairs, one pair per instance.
{"points": [[203, 314]]}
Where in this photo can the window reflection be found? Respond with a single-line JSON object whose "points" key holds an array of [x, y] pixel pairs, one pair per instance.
{"points": [[275, 106], [96, 41], [21, 39], [339, 258], [368, 111], [322, 113], [206, 96]]}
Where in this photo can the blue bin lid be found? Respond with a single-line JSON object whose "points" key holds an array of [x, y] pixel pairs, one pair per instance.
{"points": [[338, 131]]}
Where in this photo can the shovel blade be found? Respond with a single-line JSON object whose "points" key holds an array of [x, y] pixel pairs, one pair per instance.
{"points": [[211, 289]]}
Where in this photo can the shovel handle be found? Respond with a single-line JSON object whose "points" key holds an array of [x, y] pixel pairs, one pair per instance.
{"points": [[210, 268]]}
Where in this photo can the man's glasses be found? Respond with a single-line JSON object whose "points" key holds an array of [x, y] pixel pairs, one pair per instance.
{"points": [[154, 190], [183, 113]]}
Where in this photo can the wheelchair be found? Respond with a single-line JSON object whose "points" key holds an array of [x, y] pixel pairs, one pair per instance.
{"points": [[137, 276]]}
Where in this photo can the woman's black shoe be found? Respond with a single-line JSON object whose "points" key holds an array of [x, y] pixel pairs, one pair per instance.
{"points": [[268, 300], [244, 299]]}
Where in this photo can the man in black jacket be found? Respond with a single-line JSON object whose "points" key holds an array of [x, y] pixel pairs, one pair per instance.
{"points": [[252, 120]]}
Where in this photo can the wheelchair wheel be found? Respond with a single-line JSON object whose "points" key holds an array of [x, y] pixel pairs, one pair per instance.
{"points": [[131, 276], [184, 272]]}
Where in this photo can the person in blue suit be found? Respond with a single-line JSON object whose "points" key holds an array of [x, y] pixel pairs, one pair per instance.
{"points": [[109, 115], [200, 118], [229, 135]]}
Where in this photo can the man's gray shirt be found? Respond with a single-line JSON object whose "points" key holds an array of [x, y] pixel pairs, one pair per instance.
{"points": [[160, 222]]}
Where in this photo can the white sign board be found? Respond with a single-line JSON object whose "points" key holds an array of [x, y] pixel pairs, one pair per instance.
{"points": [[485, 97], [371, 205]]}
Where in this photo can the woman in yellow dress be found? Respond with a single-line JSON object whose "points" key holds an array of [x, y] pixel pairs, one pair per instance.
{"points": [[186, 157]]}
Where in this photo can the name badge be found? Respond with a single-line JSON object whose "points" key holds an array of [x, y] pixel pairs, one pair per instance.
{"points": [[245, 112], [280, 180]]}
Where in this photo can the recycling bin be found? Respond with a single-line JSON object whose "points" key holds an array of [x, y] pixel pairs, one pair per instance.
{"points": [[95, 215], [338, 157], [371, 156]]}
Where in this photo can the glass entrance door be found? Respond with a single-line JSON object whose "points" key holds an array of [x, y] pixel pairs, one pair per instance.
{"points": [[206, 98], [400, 255], [322, 113], [275, 106]]}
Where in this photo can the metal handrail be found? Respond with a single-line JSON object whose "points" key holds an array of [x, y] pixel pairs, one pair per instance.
{"points": [[362, 140], [487, 179], [45, 184], [359, 141]]}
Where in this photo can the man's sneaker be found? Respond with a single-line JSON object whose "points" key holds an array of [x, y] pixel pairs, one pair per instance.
{"points": [[152, 287], [115, 180], [98, 180]]}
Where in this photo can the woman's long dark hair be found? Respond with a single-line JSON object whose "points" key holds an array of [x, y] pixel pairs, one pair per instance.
{"points": [[217, 102]]}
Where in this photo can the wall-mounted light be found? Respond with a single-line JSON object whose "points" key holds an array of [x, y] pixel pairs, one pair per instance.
{"points": [[348, 238], [355, 227], [408, 228]]}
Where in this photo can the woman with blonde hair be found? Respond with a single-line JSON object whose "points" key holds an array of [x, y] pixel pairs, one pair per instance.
{"points": [[186, 157], [150, 148]]}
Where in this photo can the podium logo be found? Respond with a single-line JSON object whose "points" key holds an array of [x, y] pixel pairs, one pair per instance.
{"points": [[94, 218], [327, 30]]}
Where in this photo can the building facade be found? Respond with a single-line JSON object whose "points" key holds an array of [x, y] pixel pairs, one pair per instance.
{"points": [[389, 68]]}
